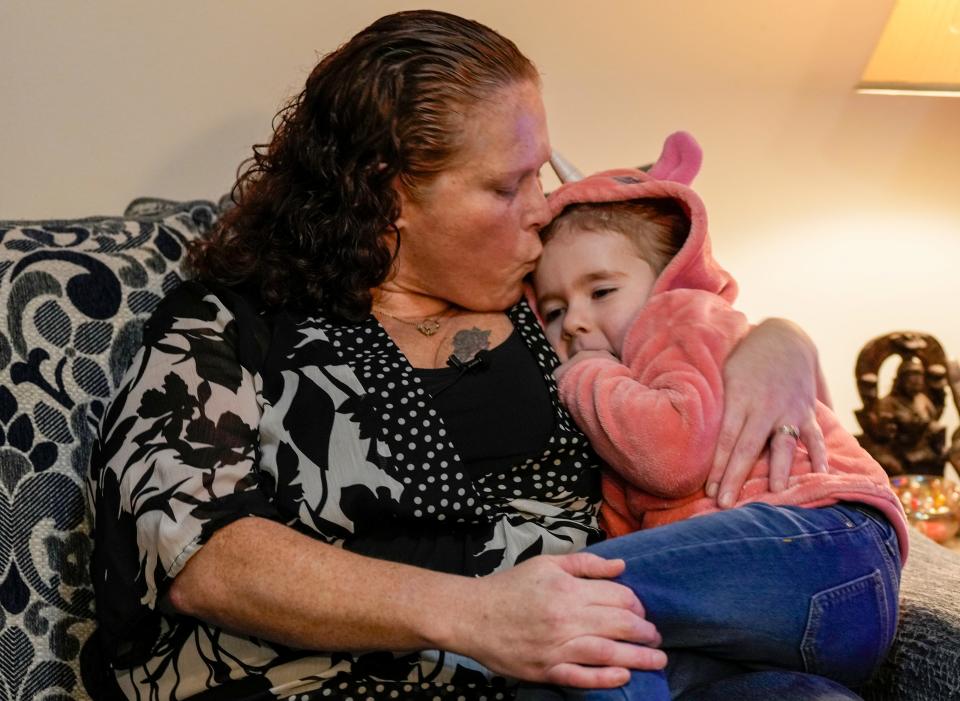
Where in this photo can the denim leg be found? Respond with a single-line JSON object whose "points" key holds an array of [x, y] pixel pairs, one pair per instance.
{"points": [[772, 684], [649, 686], [812, 590], [781, 685], [764, 587]]}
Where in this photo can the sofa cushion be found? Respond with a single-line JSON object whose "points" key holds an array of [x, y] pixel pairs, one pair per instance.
{"points": [[73, 299]]}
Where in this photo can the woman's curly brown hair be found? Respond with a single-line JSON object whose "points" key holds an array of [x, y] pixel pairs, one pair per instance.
{"points": [[313, 205]]}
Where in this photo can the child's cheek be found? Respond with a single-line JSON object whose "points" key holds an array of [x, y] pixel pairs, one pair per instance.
{"points": [[554, 337]]}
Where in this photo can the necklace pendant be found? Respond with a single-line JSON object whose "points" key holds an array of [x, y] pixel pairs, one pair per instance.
{"points": [[428, 327]]}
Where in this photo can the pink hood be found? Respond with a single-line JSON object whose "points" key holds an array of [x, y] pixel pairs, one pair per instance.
{"points": [[693, 267]]}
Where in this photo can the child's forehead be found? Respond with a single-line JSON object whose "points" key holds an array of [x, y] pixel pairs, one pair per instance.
{"points": [[574, 235], [584, 255]]}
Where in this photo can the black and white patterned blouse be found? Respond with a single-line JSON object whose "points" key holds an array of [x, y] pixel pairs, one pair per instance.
{"points": [[323, 426]]}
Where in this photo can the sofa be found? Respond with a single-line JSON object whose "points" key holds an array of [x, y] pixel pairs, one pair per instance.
{"points": [[74, 296]]}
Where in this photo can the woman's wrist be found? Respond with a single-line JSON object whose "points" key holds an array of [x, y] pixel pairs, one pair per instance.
{"points": [[445, 622]]}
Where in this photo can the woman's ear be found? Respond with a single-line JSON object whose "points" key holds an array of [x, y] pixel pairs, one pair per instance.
{"points": [[404, 202]]}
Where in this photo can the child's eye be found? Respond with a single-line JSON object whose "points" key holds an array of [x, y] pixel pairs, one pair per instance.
{"points": [[603, 292], [552, 315], [507, 192]]}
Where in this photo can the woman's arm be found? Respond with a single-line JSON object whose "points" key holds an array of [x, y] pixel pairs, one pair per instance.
{"points": [[771, 379], [554, 619]]}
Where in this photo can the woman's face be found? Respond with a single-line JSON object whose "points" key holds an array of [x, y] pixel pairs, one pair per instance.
{"points": [[471, 235]]}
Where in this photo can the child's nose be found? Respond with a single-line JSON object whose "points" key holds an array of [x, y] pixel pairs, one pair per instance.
{"points": [[574, 322]]}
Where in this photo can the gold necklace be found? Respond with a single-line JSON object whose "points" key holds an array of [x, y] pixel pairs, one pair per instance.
{"points": [[428, 326]]}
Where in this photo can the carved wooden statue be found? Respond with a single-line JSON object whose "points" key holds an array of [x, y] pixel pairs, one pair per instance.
{"points": [[902, 430]]}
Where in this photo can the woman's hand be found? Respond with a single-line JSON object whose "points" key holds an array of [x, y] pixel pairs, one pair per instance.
{"points": [[770, 380], [556, 619]]}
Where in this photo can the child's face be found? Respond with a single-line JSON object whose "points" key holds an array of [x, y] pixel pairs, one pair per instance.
{"points": [[589, 287]]}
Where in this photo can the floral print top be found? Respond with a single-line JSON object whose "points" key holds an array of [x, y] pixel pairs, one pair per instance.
{"points": [[228, 412]]}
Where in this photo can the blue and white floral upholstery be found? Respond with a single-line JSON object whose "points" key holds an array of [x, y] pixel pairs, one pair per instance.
{"points": [[73, 298]]}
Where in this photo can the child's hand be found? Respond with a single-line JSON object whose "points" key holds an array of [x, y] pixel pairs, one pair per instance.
{"points": [[580, 356]]}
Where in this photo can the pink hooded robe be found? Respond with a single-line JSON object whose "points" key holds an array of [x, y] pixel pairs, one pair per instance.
{"points": [[655, 416]]}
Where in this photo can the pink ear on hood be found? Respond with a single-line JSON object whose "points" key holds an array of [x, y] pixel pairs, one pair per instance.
{"points": [[680, 159]]}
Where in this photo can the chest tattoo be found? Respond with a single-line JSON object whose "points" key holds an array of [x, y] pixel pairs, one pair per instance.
{"points": [[469, 342]]}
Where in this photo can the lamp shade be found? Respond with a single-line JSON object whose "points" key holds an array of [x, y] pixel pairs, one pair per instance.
{"points": [[918, 52]]}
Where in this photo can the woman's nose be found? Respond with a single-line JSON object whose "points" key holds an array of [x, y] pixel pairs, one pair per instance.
{"points": [[538, 215]]}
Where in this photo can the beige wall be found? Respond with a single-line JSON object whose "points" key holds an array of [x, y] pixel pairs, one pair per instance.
{"points": [[837, 210]]}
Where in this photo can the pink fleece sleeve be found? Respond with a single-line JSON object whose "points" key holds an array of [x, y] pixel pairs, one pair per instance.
{"points": [[656, 416]]}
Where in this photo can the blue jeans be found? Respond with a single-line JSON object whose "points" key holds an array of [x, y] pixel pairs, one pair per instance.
{"points": [[759, 602]]}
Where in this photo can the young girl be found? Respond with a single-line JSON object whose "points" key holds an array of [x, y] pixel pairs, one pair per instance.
{"points": [[640, 316]]}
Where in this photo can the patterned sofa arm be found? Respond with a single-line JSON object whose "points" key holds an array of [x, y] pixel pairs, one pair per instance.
{"points": [[74, 296]]}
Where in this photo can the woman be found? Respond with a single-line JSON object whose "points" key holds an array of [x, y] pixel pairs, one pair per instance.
{"points": [[291, 466]]}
